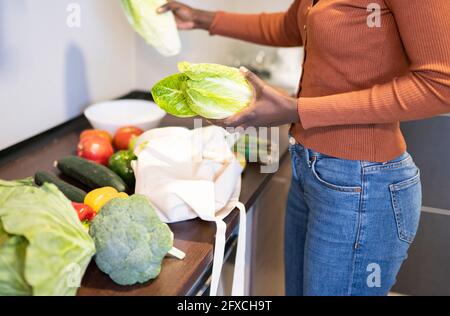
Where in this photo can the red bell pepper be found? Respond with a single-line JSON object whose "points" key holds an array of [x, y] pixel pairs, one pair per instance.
{"points": [[85, 212]]}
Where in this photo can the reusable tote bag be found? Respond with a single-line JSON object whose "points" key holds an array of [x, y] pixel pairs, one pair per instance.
{"points": [[193, 173]]}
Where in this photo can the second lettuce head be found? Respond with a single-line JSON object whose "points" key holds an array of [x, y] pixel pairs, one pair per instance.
{"points": [[208, 90]]}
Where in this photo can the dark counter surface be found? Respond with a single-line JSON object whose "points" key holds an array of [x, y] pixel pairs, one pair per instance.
{"points": [[195, 237]]}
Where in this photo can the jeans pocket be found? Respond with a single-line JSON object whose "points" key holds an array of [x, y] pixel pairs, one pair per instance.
{"points": [[327, 183], [406, 197]]}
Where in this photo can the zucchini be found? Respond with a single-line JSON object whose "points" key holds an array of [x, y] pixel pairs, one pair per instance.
{"points": [[71, 192], [90, 173]]}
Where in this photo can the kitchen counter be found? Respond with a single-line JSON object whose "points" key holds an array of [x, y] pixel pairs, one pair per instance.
{"points": [[195, 237]]}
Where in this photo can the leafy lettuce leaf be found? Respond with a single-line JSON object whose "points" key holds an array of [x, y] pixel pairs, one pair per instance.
{"points": [[209, 90], [58, 248], [158, 30], [170, 96], [12, 261]]}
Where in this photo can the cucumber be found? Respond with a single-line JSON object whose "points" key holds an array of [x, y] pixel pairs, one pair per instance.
{"points": [[71, 192], [90, 173]]}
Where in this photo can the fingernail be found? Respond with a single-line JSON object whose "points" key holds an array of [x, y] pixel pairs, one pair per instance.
{"points": [[243, 69], [159, 10]]}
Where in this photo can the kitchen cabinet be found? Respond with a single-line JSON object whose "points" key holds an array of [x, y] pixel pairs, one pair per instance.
{"points": [[267, 236], [265, 240], [425, 272]]}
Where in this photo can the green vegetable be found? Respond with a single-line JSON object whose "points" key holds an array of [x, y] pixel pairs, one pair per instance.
{"points": [[120, 163], [131, 240], [44, 248], [71, 192], [159, 30], [209, 90], [250, 147], [90, 173], [170, 95], [12, 260]]}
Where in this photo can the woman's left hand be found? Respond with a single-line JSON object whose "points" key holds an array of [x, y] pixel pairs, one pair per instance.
{"points": [[268, 108]]}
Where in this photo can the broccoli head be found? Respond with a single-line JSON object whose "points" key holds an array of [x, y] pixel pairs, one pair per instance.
{"points": [[131, 240]]}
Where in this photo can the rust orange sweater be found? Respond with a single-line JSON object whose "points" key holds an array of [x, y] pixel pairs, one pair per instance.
{"points": [[358, 81]]}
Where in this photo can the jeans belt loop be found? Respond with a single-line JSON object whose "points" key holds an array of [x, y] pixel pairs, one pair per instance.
{"points": [[307, 157]]}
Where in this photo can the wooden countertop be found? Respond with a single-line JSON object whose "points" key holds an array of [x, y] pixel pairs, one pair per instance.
{"points": [[195, 238]]}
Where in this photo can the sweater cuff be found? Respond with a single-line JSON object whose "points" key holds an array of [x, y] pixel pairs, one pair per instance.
{"points": [[314, 112], [216, 24]]}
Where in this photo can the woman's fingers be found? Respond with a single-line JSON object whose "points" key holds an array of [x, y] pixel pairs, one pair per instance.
{"points": [[254, 80], [236, 120], [241, 119], [184, 25], [169, 6]]}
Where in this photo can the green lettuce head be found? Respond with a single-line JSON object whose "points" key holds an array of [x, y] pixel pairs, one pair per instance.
{"points": [[209, 90], [44, 248], [158, 30]]}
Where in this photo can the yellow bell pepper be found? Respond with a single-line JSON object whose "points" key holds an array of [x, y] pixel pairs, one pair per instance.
{"points": [[96, 199]]}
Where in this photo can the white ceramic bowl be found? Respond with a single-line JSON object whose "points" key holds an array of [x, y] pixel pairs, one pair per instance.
{"points": [[112, 115]]}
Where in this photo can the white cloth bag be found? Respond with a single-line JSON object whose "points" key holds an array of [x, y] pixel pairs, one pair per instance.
{"points": [[193, 173]]}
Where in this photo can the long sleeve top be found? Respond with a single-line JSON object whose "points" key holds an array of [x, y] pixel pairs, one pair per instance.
{"points": [[369, 64]]}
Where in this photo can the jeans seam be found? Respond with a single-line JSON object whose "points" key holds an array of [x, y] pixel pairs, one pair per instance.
{"points": [[359, 233], [403, 235], [360, 210], [393, 165]]}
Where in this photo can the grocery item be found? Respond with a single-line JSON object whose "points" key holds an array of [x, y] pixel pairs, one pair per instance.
{"points": [[125, 135], [97, 198], [170, 96], [120, 163], [71, 192], [96, 132], [131, 240], [44, 248], [91, 174], [209, 90], [85, 212], [96, 149], [158, 30]]}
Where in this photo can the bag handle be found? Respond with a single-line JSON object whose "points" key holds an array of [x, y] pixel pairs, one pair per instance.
{"points": [[219, 251], [239, 266]]}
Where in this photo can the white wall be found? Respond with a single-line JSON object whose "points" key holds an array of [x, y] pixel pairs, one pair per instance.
{"points": [[198, 46], [50, 72]]}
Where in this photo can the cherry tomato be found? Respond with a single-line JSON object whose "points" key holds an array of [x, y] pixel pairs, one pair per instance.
{"points": [[96, 149], [85, 212], [125, 135], [96, 132]]}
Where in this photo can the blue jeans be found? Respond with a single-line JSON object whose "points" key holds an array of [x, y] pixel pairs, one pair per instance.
{"points": [[349, 224]]}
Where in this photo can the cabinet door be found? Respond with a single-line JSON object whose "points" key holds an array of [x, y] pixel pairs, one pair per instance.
{"points": [[426, 272], [266, 275]]}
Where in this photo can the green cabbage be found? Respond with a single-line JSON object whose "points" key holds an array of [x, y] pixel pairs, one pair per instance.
{"points": [[209, 90], [12, 260], [159, 30], [44, 248]]}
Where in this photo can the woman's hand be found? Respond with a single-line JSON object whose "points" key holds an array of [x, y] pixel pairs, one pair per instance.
{"points": [[269, 107], [188, 18]]}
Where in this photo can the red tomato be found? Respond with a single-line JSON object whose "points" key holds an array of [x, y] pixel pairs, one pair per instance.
{"points": [[96, 149], [125, 135], [96, 132]]}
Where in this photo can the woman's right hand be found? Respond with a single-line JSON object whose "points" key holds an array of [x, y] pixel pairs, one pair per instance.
{"points": [[188, 18]]}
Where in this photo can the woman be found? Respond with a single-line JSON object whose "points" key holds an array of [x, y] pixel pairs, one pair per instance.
{"points": [[355, 199]]}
